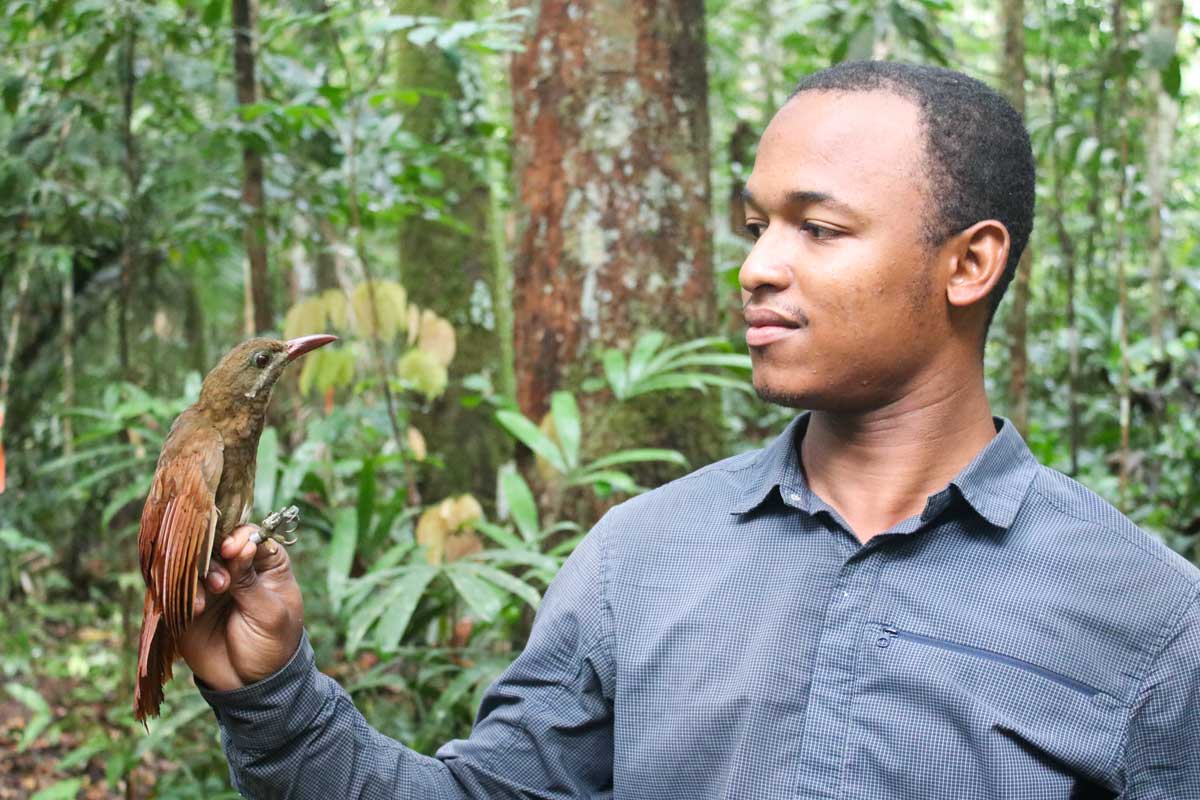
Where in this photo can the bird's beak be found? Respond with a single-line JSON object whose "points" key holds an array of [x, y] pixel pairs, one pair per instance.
{"points": [[302, 344]]}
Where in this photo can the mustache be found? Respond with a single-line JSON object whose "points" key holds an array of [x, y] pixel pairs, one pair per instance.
{"points": [[790, 312]]}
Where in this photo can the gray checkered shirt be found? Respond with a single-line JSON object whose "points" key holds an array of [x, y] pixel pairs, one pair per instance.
{"points": [[724, 636]]}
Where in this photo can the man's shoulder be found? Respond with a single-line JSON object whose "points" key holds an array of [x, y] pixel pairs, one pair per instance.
{"points": [[710, 485], [1081, 512]]}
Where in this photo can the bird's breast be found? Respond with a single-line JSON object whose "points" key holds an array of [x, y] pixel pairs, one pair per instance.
{"points": [[235, 495]]}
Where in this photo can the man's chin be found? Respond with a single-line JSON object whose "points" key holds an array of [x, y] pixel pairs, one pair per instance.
{"points": [[782, 396]]}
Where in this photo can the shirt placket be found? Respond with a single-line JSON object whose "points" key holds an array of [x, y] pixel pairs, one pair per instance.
{"points": [[828, 714]]}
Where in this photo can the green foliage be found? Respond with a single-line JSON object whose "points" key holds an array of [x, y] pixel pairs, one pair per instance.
{"points": [[121, 165], [653, 368]]}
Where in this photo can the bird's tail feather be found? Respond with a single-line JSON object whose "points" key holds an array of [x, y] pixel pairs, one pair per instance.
{"points": [[156, 652]]}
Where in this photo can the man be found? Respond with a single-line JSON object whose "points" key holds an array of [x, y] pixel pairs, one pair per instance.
{"points": [[892, 600]]}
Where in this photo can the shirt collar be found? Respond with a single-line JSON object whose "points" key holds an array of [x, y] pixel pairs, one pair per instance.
{"points": [[994, 483]]}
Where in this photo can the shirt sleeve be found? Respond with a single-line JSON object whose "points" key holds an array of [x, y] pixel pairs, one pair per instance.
{"points": [[544, 728], [1164, 731]]}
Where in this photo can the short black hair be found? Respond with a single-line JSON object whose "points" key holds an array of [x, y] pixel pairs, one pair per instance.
{"points": [[978, 159]]}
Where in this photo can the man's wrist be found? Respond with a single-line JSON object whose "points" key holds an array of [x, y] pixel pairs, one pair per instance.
{"points": [[264, 715]]}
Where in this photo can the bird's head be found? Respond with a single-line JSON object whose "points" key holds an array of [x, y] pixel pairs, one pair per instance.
{"points": [[248, 372]]}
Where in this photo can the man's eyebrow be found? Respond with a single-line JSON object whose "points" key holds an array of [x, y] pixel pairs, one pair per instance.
{"points": [[806, 197]]}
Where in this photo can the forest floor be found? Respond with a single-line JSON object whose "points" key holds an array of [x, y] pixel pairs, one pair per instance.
{"points": [[66, 723]]}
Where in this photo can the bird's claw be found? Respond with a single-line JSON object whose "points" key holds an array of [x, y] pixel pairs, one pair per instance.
{"points": [[278, 526]]}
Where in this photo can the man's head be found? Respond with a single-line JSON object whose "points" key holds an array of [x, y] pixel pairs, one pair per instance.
{"points": [[890, 204]]}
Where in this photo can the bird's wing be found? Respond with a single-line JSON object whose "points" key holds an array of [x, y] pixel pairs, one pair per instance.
{"points": [[175, 538]]}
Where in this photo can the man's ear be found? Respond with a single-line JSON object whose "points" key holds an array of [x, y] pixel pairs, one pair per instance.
{"points": [[977, 257]]}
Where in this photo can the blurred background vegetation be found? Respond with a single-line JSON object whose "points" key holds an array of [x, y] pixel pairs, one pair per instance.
{"points": [[522, 221]]}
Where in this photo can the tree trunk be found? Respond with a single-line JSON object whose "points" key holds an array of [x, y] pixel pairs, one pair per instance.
{"points": [[611, 157], [10, 351], [68, 355], [1161, 128], [254, 233], [132, 169], [454, 273], [1018, 355], [1066, 245], [1120, 256]]}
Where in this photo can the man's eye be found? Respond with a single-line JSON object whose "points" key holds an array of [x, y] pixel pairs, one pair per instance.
{"points": [[820, 232], [754, 229]]}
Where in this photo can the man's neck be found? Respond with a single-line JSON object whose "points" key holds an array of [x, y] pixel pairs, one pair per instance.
{"points": [[877, 468]]}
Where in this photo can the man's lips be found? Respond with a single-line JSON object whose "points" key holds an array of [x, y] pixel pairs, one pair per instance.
{"points": [[765, 326]]}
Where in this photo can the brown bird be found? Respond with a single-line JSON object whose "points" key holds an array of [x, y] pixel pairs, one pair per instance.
{"points": [[203, 488]]}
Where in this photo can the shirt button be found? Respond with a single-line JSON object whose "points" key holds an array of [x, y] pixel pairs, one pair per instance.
{"points": [[795, 498], [883, 641]]}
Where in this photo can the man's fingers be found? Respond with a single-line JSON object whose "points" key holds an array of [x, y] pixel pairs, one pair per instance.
{"points": [[200, 603], [271, 557], [218, 579], [238, 552], [234, 543]]}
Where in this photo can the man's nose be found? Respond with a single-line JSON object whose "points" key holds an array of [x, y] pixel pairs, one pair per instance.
{"points": [[766, 267]]}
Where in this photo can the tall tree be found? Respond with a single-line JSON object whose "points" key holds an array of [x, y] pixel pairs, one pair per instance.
{"points": [[1066, 245], [131, 166], [612, 170], [453, 273], [1120, 252], [255, 230], [1018, 355], [1163, 117]]}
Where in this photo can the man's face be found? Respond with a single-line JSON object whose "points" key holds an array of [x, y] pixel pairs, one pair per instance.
{"points": [[841, 291]]}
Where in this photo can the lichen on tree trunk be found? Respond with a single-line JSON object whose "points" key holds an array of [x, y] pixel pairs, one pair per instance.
{"points": [[612, 164]]}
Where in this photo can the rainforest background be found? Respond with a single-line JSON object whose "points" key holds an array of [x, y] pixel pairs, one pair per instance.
{"points": [[523, 222]]}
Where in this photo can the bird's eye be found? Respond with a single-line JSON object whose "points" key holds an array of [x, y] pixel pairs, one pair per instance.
{"points": [[261, 359]]}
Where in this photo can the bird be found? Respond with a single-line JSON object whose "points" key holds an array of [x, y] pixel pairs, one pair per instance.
{"points": [[203, 488]]}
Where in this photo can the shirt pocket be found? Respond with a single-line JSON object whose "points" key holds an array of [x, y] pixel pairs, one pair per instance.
{"points": [[978, 722]]}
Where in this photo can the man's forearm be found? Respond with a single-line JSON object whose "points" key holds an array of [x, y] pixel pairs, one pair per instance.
{"points": [[298, 735]]}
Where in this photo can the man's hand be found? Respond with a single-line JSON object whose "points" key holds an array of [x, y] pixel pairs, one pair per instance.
{"points": [[249, 616]]}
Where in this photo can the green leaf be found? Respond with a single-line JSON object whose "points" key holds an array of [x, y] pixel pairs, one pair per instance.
{"points": [[532, 437], [507, 582], [483, 598], [690, 380], [402, 602], [398, 601], [214, 13], [526, 558], [643, 351], [162, 734], [734, 360], [341, 555], [303, 459], [565, 412], [82, 754], [62, 790], [121, 498], [12, 93], [521, 504], [265, 471], [499, 535], [608, 478], [669, 381], [1172, 78], [637, 455], [676, 350], [613, 361], [41, 717], [14, 541], [366, 497]]}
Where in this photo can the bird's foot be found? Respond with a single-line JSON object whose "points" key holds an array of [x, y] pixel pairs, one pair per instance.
{"points": [[278, 526]]}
